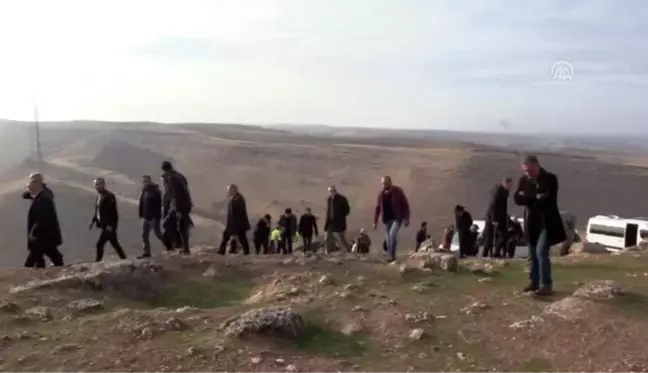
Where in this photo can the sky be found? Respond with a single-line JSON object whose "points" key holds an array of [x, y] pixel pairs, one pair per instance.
{"points": [[433, 64]]}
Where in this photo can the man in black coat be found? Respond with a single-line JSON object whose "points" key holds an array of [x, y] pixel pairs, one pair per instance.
{"points": [[43, 229], [106, 218], [308, 226], [288, 223], [463, 223], [495, 227], [238, 223], [47, 192], [537, 191], [337, 210], [262, 234], [150, 211], [180, 203]]}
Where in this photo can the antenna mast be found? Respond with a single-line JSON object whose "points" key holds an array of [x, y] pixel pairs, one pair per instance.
{"points": [[39, 153]]}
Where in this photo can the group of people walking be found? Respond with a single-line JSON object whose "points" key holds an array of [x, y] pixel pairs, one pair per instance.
{"points": [[167, 212]]}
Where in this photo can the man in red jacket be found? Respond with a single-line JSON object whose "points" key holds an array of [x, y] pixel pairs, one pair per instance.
{"points": [[394, 208]]}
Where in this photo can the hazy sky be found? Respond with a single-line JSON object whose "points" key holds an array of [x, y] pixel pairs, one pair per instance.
{"points": [[463, 64]]}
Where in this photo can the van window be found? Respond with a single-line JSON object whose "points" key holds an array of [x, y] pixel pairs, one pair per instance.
{"points": [[644, 234], [607, 230]]}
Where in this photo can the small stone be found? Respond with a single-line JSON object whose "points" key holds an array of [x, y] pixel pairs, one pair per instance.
{"points": [[186, 309], [6, 338], [351, 329], [280, 360], [291, 368], [485, 279], [40, 312], [474, 308], [403, 269], [350, 287], [422, 355], [255, 360], [219, 349], [66, 347], [361, 279], [344, 294], [193, 351], [294, 291], [173, 323], [86, 305], [416, 334], [211, 272], [440, 317], [147, 333], [24, 335], [9, 307], [325, 280], [357, 309], [461, 356]]}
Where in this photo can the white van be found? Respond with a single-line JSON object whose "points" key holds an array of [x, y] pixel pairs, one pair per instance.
{"points": [[521, 251], [616, 233]]}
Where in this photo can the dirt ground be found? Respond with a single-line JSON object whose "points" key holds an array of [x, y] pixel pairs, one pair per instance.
{"points": [[359, 313], [276, 170]]}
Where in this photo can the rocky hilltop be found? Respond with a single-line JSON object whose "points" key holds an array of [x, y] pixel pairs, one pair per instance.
{"points": [[340, 312]]}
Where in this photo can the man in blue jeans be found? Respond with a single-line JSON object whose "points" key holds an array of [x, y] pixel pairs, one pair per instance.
{"points": [[537, 191], [392, 204]]}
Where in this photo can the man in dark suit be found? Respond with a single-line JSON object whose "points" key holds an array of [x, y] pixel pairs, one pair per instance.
{"points": [[288, 223], [43, 229], [308, 226], [464, 222], [150, 211], [238, 223], [262, 234], [180, 203], [337, 210], [106, 218], [393, 205], [495, 227], [537, 191]]}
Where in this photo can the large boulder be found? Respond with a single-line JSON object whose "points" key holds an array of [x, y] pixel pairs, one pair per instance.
{"points": [[279, 321], [568, 309], [569, 224], [586, 247], [133, 279], [434, 260], [430, 245], [573, 308], [641, 246], [599, 290]]}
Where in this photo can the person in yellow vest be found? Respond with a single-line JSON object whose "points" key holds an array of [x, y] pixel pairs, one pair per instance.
{"points": [[275, 240]]}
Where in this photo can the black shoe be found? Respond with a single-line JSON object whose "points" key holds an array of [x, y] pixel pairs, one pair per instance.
{"points": [[530, 288], [545, 290], [144, 256]]}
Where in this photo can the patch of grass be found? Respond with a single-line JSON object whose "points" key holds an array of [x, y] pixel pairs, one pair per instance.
{"points": [[203, 294], [318, 339], [634, 304], [536, 365]]}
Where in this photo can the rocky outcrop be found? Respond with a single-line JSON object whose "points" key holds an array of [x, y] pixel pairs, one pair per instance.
{"points": [[133, 279], [599, 290], [586, 247], [431, 246], [573, 308], [434, 260], [569, 309], [279, 321]]}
